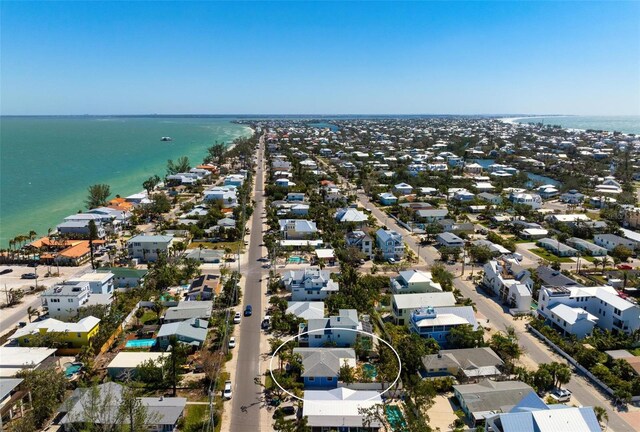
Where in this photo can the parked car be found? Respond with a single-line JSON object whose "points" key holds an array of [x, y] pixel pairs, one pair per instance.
{"points": [[237, 318], [624, 267], [29, 276], [284, 411], [6, 271], [266, 322], [227, 392], [391, 261], [248, 310], [561, 395], [232, 342]]}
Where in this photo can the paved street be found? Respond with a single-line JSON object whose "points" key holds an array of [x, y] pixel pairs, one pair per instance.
{"points": [[246, 402], [582, 389]]}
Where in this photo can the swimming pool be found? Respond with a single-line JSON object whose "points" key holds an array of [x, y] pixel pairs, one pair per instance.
{"points": [[296, 260], [140, 343], [370, 370], [395, 418], [72, 368]]}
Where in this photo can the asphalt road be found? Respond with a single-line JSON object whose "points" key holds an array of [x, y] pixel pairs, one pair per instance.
{"points": [[581, 387], [246, 401]]}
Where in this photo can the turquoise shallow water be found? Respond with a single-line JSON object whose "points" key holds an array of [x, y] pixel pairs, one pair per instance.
{"points": [[47, 163], [626, 124]]}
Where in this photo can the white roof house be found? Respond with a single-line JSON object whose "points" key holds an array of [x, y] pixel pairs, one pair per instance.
{"points": [[403, 305], [15, 359], [351, 215], [306, 310], [414, 281], [339, 408]]}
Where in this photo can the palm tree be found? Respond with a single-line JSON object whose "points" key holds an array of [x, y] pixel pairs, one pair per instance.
{"points": [[605, 262], [601, 415], [32, 312]]}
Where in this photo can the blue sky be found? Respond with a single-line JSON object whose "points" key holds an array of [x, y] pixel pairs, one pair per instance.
{"points": [[322, 57]]}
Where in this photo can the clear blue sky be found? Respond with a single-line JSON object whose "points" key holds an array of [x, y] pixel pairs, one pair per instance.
{"points": [[325, 57]]}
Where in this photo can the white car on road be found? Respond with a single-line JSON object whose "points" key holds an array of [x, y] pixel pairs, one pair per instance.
{"points": [[232, 342]]}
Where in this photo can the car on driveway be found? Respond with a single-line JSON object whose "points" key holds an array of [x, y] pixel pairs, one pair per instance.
{"points": [[248, 310], [561, 395], [237, 318], [227, 392]]}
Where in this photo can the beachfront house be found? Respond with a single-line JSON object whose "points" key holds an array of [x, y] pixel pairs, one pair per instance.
{"points": [[147, 248]]}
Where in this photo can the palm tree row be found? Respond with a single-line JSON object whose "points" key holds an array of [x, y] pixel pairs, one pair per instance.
{"points": [[18, 242]]}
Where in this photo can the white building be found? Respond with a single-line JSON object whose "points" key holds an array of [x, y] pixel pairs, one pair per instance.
{"points": [[340, 409], [510, 282], [610, 241], [309, 284], [99, 283], [227, 195], [532, 200], [576, 310], [64, 300], [147, 248], [361, 241]]}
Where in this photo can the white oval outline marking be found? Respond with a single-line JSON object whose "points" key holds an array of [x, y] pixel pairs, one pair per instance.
{"points": [[335, 328]]}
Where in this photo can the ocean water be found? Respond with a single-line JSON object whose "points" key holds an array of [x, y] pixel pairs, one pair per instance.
{"points": [[626, 124], [47, 163]]}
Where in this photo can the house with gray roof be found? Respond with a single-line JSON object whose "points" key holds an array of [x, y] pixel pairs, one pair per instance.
{"points": [[448, 239], [490, 198], [431, 215], [531, 414], [467, 363], [551, 277], [555, 247], [191, 332], [352, 215], [305, 309], [321, 366], [486, 398], [338, 330], [297, 229], [203, 287], [164, 412], [185, 310], [586, 247]]}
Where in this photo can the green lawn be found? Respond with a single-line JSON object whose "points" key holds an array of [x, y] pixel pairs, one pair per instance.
{"points": [[195, 417], [588, 258], [221, 245], [149, 317], [544, 254]]}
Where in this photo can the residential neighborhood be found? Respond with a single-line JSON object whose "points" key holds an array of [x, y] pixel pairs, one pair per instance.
{"points": [[359, 275]]}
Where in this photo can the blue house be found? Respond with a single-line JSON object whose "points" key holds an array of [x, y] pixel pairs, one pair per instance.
{"points": [[388, 199], [321, 366], [391, 244]]}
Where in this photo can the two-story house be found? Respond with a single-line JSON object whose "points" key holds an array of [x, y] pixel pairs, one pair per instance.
{"points": [[390, 243], [361, 241], [335, 331], [576, 310], [99, 282], [437, 323], [63, 300], [147, 248], [510, 282], [414, 281], [309, 284], [321, 366]]}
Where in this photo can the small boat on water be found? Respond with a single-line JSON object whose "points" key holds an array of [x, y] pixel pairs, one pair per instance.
{"points": [[166, 139]]}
